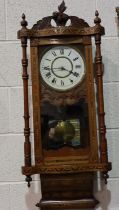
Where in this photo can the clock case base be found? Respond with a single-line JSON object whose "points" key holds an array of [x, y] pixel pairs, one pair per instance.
{"points": [[75, 204], [67, 191]]}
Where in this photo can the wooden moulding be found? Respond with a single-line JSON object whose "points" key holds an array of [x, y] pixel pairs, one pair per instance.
{"points": [[62, 31], [74, 204], [66, 169]]}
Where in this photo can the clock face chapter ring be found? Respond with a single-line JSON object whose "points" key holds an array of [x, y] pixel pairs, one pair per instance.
{"points": [[61, 72], [62, 67]]}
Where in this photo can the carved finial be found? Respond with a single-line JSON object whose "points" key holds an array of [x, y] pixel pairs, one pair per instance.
{"points": [[24, 22], [97, 20], [60, 17], [62, 7]]}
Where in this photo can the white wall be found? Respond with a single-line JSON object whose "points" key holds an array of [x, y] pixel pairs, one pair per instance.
{"points": [[14, 194]]}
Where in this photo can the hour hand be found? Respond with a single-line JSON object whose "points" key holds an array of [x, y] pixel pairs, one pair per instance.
{"points": [[57, 68]]}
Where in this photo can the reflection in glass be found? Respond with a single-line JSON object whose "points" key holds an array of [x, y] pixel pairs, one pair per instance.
{"points": [[64, 125]]}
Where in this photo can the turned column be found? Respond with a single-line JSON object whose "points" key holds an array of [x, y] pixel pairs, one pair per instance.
{"points": [[27, 144], [99, 83]]}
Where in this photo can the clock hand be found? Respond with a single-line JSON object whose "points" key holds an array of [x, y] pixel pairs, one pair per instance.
{"points": [[61, 69], [70, 71], [57, 68]]}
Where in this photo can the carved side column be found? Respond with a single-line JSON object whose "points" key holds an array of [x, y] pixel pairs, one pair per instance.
{"points": [[99, 83], [27, 144]]}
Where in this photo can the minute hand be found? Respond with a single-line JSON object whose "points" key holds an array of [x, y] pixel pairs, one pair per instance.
{"points": [[71, 72], [62, 69]]}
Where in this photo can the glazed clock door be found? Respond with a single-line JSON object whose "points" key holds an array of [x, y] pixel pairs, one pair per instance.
{"points": [[65, 123]]}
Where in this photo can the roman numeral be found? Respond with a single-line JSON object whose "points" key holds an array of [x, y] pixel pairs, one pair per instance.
{"points": [[47, 59], [75, 74], [71, 80], [62, 51], [54, 53], [75, 58], [48, 75], [62, 83], [78, 66], [69, 53], [54, 80], [47, 68]]}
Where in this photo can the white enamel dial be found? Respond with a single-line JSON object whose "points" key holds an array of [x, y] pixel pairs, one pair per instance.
{"points": [[62, 68]]}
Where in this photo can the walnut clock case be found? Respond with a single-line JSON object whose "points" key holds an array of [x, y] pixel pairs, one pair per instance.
{"points": [[67, 151]]}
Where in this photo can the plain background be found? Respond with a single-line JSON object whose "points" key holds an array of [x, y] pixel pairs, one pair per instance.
{"points": [[14, 194]]}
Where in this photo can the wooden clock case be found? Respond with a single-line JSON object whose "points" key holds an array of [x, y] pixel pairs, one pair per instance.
{"points": [[67, 175]]}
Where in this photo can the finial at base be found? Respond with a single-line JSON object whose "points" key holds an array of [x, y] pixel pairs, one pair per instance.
{"points": [[28, 180]]}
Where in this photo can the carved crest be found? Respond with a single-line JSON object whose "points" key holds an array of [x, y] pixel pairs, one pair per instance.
{"points": [[60, 19]]}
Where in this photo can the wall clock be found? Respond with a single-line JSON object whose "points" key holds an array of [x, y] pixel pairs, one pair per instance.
{"points": [[68, 152]]}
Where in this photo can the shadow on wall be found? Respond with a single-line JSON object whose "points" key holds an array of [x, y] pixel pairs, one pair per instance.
{"points": [[102, 194], [33, 195]]}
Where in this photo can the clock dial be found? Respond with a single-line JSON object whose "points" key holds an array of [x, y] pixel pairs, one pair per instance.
{"points": [[62, 67]]}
